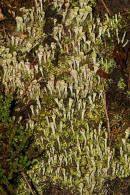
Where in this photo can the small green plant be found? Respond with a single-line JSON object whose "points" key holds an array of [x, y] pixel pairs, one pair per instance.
{"points": [[5, 104], [14, 142], [121, 84]]}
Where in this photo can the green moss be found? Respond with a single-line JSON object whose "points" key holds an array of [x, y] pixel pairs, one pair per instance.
{"points": [[14, 144], [121, 84]]}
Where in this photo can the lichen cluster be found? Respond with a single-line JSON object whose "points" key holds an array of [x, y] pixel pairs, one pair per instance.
{"points": [[67, 119]]}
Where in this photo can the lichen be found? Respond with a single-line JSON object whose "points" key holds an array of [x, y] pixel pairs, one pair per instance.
{"points": [[67, 119]]}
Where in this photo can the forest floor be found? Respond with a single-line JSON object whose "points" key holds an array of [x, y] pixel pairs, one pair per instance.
{"points": [[116, 99]]}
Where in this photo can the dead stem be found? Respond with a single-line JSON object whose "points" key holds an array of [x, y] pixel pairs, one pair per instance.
{"points": [[106, 112], [27, 182], [106, 7]]}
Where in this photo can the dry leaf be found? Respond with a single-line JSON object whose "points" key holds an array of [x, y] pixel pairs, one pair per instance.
{"points": [[120, 55], [10, 11], [2, 17], [102, 74], [19, 34]]}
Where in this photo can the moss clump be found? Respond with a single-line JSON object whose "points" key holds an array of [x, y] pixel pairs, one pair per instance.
{"points": [[121, 84], [15, 140]]}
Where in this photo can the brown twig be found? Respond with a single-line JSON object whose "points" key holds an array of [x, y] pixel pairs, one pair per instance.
{"points": [[27, 182], [106, 113], [108, 11]]}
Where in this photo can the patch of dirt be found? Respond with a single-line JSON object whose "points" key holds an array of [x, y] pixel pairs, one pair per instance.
{"points": [[118, 186]]}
